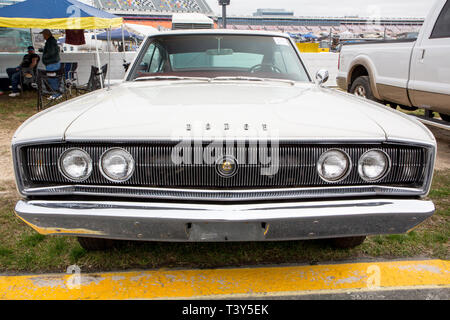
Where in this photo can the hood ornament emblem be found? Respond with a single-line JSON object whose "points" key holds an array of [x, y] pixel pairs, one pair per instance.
{"points": [[226, 166]]}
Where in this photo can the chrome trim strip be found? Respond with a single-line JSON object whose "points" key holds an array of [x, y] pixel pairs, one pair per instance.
{"points": [[224, 195], [173, 222]]}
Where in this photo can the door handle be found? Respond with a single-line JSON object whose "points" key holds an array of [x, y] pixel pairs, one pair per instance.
{"points": [[422, 56]]}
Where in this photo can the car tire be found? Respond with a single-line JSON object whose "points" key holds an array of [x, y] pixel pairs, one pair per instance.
{"points": [[445, 117], [406, 108], [361, 88], [348, 242], [95, 244]]}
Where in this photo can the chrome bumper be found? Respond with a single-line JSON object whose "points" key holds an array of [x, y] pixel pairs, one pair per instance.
{"points": [[208, 222]]}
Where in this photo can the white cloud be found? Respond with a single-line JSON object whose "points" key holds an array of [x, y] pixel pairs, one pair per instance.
{"points": [[385, 8]]}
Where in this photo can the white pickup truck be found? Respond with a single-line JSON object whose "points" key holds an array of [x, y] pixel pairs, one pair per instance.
{"points": [[407, 73]]}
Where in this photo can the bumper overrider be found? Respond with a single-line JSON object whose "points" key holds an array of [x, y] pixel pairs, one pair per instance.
{"points": [[228, 222]]}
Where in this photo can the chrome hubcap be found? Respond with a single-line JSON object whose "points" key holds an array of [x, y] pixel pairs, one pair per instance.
{"points": [[360, 91]]}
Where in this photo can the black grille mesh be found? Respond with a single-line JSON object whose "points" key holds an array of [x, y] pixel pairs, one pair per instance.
{"points": [[155, 168]]}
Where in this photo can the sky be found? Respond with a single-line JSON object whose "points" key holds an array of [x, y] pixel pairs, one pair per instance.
{"points": [[363, 8]]}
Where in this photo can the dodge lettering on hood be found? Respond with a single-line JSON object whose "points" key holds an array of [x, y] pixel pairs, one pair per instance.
{"points": [[222, 136]]}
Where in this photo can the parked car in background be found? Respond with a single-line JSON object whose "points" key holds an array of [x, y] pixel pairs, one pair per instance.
{"points": [[221, 135], [409, 73]]}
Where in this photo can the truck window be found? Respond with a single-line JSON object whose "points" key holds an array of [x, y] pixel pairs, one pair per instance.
{"points": [[442, 27]]}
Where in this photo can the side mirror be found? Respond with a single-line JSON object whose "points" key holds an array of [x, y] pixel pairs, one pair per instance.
{"points": [[322, 76]]}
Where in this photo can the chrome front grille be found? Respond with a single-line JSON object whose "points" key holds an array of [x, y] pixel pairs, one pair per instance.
{"points": [[155, 168]]}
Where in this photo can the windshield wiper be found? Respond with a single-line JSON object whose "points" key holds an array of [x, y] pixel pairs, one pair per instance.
{"points": [[170, 78], [253, 79], [237, 78]]}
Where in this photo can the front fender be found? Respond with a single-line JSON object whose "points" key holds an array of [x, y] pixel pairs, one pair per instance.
{"points": [[363, 60]]}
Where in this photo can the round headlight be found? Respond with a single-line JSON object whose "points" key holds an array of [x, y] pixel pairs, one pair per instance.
{"points": [[373, 165], [333, 165], [75, 164], [117, 165]]}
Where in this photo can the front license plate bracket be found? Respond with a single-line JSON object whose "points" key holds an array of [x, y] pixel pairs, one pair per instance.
{"points": [[226, 231]]}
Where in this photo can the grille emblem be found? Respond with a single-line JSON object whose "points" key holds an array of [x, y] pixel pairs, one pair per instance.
{"points": [[226, 166]]}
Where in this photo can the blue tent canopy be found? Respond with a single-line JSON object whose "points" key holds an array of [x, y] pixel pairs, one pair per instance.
{"points": [[293, 35], [56, 14], [116, 34], [309, 36]]}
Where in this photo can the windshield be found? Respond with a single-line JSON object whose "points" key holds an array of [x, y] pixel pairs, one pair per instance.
{"points": [[213, 56]]}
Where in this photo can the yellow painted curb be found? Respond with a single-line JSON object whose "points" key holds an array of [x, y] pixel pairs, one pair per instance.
{"points": [[216, 283]]}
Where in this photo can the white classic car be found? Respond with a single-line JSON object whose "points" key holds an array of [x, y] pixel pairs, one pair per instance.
{"points": [[222, 136]]}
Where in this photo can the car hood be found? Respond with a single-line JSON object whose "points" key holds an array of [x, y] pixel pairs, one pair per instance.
{"points": [[224, 109]]}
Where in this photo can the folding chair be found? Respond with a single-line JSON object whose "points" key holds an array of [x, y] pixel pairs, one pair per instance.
{"points": [[70, 72], [28, 77], [94, 79], [46, 91]]}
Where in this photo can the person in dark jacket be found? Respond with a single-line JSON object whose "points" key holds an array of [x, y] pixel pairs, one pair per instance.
{"points": [[51, 59]]}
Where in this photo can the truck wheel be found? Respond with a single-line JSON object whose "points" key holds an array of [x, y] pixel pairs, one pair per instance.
{"points": [[348, 243], [361, 88], [408, 108], [95, 244], [445, 117]]}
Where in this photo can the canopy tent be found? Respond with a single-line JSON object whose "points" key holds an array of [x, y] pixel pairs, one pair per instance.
{"points": [[56, 14], [139, 29], [309, 36], [116, 34], [294, 35]]}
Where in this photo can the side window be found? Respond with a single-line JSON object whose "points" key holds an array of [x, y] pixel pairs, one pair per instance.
{"points": [[442, 27], [145, 63], [157, 61], [153, 59]]}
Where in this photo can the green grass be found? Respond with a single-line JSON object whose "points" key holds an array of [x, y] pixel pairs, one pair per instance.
{"points": [[14, 111], [24, 250]]}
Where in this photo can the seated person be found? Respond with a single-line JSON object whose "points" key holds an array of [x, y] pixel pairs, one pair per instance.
{"points": [[29, 61]]}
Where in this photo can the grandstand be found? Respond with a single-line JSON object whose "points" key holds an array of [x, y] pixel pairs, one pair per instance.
{"points": [[318, 25], [158, 13], [153, 6]]}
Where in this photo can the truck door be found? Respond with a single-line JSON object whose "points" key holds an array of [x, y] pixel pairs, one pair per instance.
{"points": [[429, 85]]}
